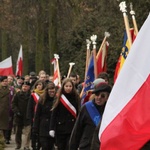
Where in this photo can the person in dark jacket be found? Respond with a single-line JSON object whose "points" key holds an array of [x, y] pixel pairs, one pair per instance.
{"points": [[38, 89], [42, 117], [19, 107], [6, 114], [89, 117], [64, 113]]}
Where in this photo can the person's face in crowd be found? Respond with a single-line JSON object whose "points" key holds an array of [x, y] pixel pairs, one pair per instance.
{"points": [[51, 92], [25, 88], [19, 82], [4, 82], [68, 87], [51, 78], [10, 79], [74, 80], [42, 77], [39, 86], [27, 79], [101, 97]]}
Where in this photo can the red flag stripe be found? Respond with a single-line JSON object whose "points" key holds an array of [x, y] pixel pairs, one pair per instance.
{"points": [[136, 130]]}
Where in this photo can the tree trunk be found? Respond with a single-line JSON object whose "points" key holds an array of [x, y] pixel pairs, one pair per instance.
{"points": [[52, 30]]}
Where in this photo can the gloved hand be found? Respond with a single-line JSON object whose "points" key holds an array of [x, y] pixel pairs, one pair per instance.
{"points": [[52, 133], [18, 114]]}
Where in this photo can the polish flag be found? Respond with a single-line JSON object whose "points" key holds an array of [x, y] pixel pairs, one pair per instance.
{"points": [[126, 120], [101, 58], [6, 67], [55, 78], [19, 67]]}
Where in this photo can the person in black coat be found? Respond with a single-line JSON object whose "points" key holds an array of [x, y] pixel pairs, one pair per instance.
{"points": [[19, 107], [38, 89], [64, 113], [42, 117], [89, 117]]}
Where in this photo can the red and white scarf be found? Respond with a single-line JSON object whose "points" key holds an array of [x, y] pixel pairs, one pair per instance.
{"points": [[68, 105], [35, 97]]}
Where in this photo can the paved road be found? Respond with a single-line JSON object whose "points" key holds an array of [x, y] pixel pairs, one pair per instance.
{"points": [[12, 144]]}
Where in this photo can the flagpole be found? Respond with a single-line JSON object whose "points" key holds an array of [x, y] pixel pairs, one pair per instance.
{"points": [[132, 12], [106, 35], [88, 53], [88, 43], [123, 6], [93, 39], [70, 68], [56, 56]]}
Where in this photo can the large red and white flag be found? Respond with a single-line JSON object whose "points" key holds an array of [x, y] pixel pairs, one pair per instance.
{"points": [[19, 66], [126, 120], [6, 67]]}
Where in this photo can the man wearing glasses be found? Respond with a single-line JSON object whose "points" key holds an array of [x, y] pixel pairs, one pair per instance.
{"points": [[89, 117]]}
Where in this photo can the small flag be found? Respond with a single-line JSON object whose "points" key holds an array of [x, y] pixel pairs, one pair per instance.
{"points": [[55, 78], [89, 79], [102, 58], [19, 65]]}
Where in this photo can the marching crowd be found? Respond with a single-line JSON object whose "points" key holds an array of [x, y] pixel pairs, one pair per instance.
{"points": [[52, 117]]}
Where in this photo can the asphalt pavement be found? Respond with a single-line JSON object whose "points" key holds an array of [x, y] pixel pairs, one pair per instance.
{"points": [[12, 144]]}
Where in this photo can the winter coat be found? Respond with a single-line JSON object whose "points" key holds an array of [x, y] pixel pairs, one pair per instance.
{"points": [[83, 130], [62, 121], [31, 109], [19, 107], [42, 118], [32, 106], [4, 107]]}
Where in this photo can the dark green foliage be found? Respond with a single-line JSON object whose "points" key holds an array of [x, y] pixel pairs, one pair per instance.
{"points": [[46, 27]]}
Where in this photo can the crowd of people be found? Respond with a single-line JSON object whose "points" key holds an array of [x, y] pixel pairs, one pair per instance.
{"points": [[52, 117]]}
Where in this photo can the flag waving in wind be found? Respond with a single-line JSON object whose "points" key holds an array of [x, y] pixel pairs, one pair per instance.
{"points": [[102, 58], [6, 67], [89, 79], [19, 67], [124, 53], [126, 119], [55, 79]]}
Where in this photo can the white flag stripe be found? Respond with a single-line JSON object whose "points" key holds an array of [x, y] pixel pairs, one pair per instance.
{"points": [[6, 63], [118, 99], [20, 55]]}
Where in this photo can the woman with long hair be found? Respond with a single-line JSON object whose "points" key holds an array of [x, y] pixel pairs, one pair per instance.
{"points": [[42, 117], [38, 89], [64, 113]]}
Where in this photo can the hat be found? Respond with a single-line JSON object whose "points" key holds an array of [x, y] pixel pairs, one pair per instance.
{"points": [[32, 73], [102, 87], [19, 77], [3, 78], [26, 83], [97, 81], [33, 78]]}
